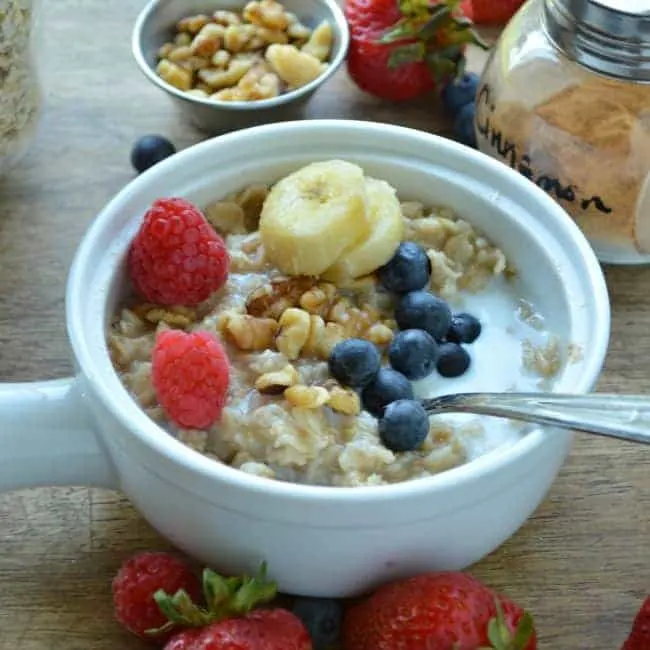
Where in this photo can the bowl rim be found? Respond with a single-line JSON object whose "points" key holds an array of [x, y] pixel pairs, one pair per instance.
{"points": [[175, 453], [341, 29]]}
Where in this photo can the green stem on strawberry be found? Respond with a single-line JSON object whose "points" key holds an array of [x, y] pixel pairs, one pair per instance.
{"points": [[225, 597], [502, 638], [433, 34]]}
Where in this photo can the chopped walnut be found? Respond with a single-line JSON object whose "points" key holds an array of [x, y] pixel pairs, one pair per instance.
{"points": [[249, 333], [218, 78], [314, 343], [268, 36], [174, 75], [179, 316], [379, 334], [294, 67], [308, 397], [355, 321], [192, 24], [211, 45], [193, 64], [258, 83], [332, 336], [237, 37], [275, 383], [221, 59], [208, 41], [250, 256], [180, 54], [344, 400], [338, 312], [165, 50], [319, 299], [251, 200], [294, 332], [271, 300], [413, 210], [266, 13], [223, 17], [183, 38], [319, 44], [226, 217], [299, 32]]}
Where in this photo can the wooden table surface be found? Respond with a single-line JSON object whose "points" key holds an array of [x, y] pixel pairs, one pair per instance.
{"points": [[581, 563]]}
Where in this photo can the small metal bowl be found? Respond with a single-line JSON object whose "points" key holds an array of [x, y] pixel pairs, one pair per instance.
{"points": [[154, 27]]}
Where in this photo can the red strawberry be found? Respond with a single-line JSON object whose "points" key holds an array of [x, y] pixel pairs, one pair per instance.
{"points": [[139, 579], [177, 258], [400, 49], [639, 638], [492, 12], [264, 629], [438, 611], [226, 600]]}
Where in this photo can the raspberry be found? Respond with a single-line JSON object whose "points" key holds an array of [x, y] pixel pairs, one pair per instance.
{"points": [[190, 375], [138, 580], [176, 258]]}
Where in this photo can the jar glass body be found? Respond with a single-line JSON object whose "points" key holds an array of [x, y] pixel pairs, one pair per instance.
{"points": [[581, 136], [20, 91]]}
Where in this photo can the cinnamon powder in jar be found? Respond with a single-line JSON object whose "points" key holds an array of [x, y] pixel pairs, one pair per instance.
{"points": [[588, 146]]}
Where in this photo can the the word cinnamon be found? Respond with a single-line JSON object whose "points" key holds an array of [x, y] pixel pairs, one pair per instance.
{"points": [[588, 146]]}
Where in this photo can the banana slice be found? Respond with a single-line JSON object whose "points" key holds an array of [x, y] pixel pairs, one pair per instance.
{"points": [[387, 231], [311, 217]]}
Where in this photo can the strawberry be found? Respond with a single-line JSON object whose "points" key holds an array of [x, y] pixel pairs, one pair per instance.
{"points": [[135, 584], [439, 611], [639, 638], [491, 12], [400, 49], [264, 629]]}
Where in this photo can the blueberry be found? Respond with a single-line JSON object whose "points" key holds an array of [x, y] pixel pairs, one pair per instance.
{"points": [[322, 617], [414, 353], [388, 386], [461, 92], [405, 425], [464, 125], [420, 310], [149, 150], [465, 328], [354, 362], [453, 360], [408, 270]]}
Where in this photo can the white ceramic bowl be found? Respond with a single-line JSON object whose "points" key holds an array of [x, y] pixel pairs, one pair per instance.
{"points": [[317, 540]]}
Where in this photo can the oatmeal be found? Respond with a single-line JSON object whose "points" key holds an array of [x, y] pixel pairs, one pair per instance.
{"points": [[331, 344], [257, 54], [19, 91]]}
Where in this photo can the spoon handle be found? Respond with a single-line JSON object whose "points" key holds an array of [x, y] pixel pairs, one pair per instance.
{"points": [[626, 417]]}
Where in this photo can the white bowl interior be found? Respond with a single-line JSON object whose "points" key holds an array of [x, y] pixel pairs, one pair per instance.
{"points": [[557, 270]]}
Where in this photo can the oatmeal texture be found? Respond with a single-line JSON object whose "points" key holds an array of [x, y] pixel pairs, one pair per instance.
{"points": [[19, 91], [286, 418]]}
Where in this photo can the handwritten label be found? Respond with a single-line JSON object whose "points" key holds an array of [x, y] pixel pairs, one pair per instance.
{"points": [[521, 162]]}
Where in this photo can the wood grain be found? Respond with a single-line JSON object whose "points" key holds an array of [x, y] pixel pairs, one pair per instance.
{"points": [[580, 564]]}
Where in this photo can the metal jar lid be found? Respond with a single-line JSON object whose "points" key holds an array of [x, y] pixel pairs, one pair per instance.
{"points": [[608, 36]]}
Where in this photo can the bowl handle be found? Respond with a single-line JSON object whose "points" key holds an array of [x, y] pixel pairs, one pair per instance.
{"points": [[47, 438]]}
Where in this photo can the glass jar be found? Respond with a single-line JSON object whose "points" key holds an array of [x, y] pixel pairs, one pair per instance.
{"points": [[565, 100], [20, 93]]}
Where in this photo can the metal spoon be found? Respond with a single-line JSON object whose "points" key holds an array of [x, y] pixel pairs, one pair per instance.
{"points": [[626, 417]]}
